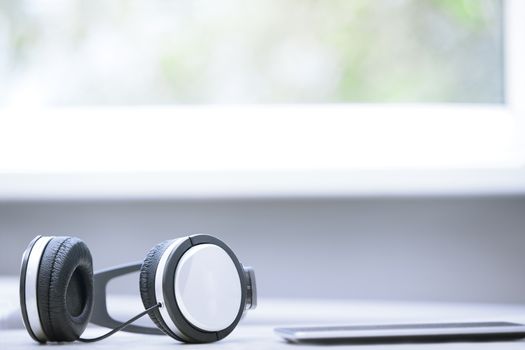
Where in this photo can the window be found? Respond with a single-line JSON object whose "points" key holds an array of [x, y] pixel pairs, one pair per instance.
{"points": [[123, 52], [276, 97]]}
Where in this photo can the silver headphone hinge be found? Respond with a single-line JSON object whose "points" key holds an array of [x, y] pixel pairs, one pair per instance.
{"points": [[251, 288]]}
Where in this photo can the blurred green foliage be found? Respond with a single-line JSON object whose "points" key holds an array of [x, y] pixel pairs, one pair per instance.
{"points": [[261, 51], [467, 12]]}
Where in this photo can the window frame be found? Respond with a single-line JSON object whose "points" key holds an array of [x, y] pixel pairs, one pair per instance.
{"points": [[514, 52], [91, 133]]}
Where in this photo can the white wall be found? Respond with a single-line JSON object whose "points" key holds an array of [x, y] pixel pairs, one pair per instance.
{"points": [[420, 248]]}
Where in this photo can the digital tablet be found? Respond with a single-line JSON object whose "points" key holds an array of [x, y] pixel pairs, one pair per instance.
{"points": [[472, 331]]}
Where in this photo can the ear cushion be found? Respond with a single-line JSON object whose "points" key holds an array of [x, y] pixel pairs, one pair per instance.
{"points": [[65, 288], [147, 285]]}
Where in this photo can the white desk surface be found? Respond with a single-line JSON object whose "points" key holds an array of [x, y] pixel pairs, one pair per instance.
{"points": [[256, 330]]}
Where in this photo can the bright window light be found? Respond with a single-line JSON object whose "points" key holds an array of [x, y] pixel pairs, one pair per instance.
{"points": [[267, 97], [122, 52]]}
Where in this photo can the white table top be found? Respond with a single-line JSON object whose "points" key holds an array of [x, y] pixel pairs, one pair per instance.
{"points": [[256, 330]]}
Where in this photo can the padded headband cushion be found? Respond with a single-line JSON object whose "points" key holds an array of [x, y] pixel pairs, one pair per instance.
{"points": [[65, 288], [147, 285]]}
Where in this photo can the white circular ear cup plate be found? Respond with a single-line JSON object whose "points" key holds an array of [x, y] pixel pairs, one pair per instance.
{"points": [[31, 282], [208, 288], [161, 267]]}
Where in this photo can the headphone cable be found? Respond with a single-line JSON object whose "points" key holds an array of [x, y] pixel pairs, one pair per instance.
{"points": [[122, 326]]}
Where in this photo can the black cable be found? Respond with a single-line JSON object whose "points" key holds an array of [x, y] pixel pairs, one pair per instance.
{"points": [[122, 326]]}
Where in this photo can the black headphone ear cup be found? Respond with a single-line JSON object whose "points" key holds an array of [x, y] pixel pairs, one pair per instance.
{"points": [[147, 285], [65, 288]]}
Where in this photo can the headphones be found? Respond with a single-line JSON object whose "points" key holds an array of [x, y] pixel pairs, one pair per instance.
{"points": [[193, 288]]}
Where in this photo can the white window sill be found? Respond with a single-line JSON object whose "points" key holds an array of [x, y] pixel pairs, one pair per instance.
{"points": [[232, 185], [259, 151]]}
